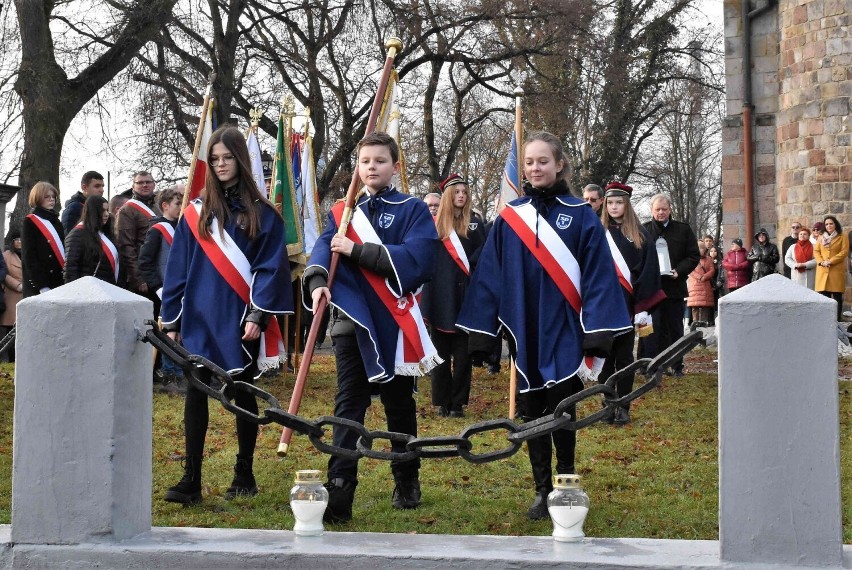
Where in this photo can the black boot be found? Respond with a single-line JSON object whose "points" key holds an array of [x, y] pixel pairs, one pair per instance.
{"points": [[406, 493], [188, 489], [243, 484], [341, 495], [538, 509]]}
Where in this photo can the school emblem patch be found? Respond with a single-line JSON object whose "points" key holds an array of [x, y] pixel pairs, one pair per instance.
{"points": [[386, 220], [563, 221], [472, 226]]}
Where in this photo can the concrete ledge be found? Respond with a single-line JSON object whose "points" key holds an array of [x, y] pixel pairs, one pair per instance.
{"points": [[227, 548]]}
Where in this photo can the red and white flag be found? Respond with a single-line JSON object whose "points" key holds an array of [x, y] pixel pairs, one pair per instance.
{"points": [[199, 166]]}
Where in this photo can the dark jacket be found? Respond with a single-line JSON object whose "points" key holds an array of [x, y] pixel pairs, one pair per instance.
{"points": [[130, 230], [443, 295], [683, 253], [764, 258], [154, 255], [786, 244], [73, 211], [39, 263], [84, 256]]}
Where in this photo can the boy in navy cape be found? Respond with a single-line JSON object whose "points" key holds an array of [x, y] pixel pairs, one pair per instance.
{"points": [[379, 339]]}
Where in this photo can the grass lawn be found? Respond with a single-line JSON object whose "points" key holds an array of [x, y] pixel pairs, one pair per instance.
{"points": [[655, 478]]}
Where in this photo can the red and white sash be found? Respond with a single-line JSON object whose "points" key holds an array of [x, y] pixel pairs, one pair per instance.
{"points": [[456, 251], [52, 237], [167, 230], [415, 353], [558, 262], [621, 267], [235, 269], [141, 207], [111, 253]]}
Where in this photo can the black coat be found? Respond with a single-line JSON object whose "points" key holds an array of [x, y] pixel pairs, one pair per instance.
{"points": [[39, 264], [644, 271], [84, 256], [786, 244], [443, 295], [73, 211], [683, 253], [763, 259]]}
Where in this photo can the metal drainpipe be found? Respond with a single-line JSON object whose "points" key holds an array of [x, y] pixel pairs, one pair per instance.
{"points": [[748, 149]]}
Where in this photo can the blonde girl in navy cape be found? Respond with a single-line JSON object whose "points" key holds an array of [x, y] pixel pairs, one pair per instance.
{"points": [[547, 276], [462, 234], [222, 318], [638, 270]]}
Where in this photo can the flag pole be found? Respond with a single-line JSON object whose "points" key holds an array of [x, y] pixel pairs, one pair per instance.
{"points": [[394, 46], [519, 130], [205, 108]]}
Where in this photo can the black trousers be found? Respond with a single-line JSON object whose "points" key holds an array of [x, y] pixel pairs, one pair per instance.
{"points": [[838, 297], [668, 329], [451, 378], [352, 400], [536, 404], [196, 416], [620, 355]]}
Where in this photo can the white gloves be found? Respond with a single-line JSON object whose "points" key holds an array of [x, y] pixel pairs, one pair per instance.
{"points": [[590, 374], [642, 319]]}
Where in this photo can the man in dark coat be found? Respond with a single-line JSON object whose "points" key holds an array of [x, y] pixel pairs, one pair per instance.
{"points": [[92, 184], [683, 256], [789, 242]]}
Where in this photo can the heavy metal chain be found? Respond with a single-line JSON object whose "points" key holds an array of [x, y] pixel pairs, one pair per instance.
{"points": [[219, 385], [8, 341]]}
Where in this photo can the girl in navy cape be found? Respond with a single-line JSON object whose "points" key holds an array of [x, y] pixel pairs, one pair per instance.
{"points": [[547, 276], [225, 315]]}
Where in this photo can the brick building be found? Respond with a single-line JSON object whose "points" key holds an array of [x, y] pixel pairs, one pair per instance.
{"points": [[800, 85]]}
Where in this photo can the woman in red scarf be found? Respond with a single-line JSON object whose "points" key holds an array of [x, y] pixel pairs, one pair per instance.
{"points": [[800, 259]]}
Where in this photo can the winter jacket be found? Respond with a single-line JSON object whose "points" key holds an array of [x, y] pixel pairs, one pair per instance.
{"points": [[40, 266], [73, 211], [154, 254], [683, 253], [804, 278], [130, 230], [84, 256], [736, 269], [14, 279], [831, 279], [700, 284], [764, 258]]}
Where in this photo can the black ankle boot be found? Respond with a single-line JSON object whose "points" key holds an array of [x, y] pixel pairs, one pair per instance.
{"points": [[341, 495], [243, 484], [538, 509], [188, 489], [406, 493]]}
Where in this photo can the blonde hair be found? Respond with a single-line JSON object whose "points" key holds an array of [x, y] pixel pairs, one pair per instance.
{"points": [[39, 192], [446, 219], [631, 227]]}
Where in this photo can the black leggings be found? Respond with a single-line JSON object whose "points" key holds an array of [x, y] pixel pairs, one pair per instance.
{"points": [[196, 417]]}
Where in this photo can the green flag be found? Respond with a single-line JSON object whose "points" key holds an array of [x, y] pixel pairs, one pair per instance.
{"points": [[284, 192]]}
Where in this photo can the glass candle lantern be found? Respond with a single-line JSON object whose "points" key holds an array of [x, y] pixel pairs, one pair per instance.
{"points": [[568, 506], [308, 499]]}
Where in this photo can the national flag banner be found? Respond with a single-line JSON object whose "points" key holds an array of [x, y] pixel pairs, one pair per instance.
{"points": [[198, 168], [256, 160], [310, 200], [283, 191], [390, 117], [296, 161], [509, 185]]}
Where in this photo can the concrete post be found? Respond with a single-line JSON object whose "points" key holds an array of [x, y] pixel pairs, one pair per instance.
{"points": [[82, 427], [779, 436]]}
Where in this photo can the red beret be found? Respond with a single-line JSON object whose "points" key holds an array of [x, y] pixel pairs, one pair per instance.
{"points": [[616, 188], [453, 178]]}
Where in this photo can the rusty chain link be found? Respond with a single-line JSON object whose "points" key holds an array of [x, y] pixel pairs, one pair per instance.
{"points": [[218, 385]]}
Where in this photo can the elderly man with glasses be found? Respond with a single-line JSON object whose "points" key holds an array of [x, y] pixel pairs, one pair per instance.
{"points": [[788, 242]]}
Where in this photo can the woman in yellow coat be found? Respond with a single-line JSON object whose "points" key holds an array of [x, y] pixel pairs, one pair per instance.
{"points": [[830, 252]]}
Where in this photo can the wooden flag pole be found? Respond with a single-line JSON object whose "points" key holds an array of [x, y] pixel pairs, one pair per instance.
{"points": [[394, 46], [205, 108], [298, 303], [519, 131]]}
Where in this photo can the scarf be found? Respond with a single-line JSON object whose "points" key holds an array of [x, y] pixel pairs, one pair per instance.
{"points": [[827, 237], [804, 252], [542, 198]]}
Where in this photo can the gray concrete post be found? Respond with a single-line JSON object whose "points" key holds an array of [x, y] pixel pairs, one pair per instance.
{"points": [[82, 427], [779, 436]]}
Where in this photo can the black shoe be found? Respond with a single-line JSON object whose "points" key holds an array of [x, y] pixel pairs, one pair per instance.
{"points": [[493, 369], [406, 493], [188, 489], [341, 495], [243, 484], [622, 416], [538, 509], [456, 414], [678, 373], [607, 419], [443, 412]]}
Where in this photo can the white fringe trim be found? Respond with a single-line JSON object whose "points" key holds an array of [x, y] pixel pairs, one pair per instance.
{"points": [[421, 368], [269, 363]]}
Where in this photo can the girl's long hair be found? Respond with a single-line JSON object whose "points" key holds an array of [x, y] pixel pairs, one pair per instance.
{"points": [[213, 199], [558, 154], [93, 209], [446, 218], [631, 227]]}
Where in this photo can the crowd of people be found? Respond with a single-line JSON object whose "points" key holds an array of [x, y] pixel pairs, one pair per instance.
{"points": [[423, 287]]}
